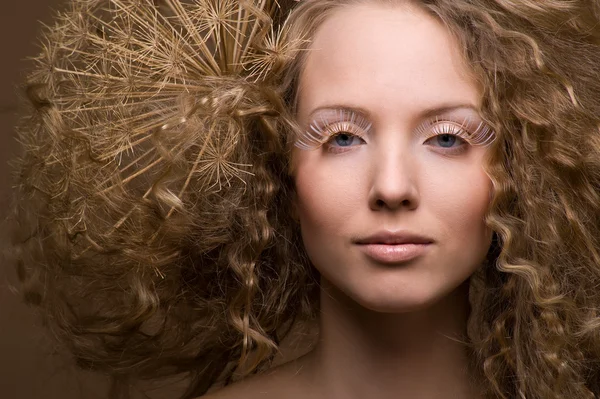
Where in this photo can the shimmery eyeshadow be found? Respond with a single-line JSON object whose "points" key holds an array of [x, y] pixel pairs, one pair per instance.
{"points": [[344, 120], [475, 132], [329, 123]]}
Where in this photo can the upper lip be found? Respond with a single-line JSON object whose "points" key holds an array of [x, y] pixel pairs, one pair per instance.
{"points": [[395, 237]]}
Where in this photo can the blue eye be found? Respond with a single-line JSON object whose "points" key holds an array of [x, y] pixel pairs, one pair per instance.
{"points": [[344, 139], [451, 143], [446, 140], [334, 130]]}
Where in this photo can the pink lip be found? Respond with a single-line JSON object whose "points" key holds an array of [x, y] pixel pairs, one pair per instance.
{"points": [[394, 238], [393, 253]]}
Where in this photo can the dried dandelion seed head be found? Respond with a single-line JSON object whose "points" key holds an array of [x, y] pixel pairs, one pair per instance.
{"points": [[154, 143], [145, 87]]}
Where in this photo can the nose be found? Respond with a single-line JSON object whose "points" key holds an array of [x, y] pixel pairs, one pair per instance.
{"points": [[393, 179]]}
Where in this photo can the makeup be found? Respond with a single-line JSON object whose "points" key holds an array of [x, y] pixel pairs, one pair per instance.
{"points": [[392, 254], [350, 123], [474, 131], [331, 123]]}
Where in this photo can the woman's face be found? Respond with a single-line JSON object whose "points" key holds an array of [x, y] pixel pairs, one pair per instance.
{"points": [[394, 145]]}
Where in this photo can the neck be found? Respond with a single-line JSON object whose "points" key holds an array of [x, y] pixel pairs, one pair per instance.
{"points": [[367, 354]]}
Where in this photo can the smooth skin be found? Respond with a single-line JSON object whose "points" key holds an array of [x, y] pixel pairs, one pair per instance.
{"points": [[387, 330]]}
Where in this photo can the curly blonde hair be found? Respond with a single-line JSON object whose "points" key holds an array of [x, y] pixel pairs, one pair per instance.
{"points": [[152, 204]]}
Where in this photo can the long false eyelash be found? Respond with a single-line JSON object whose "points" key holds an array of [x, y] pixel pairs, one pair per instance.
{"points": [[481, 135], [320, 130]]}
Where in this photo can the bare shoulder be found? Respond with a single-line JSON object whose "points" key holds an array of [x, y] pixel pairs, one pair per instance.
{"points": [[285, 381]]}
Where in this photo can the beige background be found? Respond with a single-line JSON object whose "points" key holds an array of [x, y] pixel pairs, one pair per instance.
{"points": [[30, 368]]}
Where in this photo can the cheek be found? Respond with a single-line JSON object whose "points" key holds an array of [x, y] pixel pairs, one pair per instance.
{"points": [[325, 198], [459, 203]]}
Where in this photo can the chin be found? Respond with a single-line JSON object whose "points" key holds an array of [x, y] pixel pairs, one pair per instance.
{"points": [[394, 300], [395, 304]]}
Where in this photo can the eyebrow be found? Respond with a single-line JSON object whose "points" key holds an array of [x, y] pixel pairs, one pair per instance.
{"points": [[426, 113]]}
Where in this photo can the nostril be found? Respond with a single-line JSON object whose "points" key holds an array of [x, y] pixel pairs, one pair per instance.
{"points": [[380, 203]]}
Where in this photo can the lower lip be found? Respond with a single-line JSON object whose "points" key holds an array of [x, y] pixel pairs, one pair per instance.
{"points": [[388, 253]]}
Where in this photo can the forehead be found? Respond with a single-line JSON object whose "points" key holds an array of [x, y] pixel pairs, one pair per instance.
{"points": [[386, 57]]}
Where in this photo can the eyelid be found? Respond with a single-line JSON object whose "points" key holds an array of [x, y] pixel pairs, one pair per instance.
{"points": [[474, 131], [322, 128]]}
